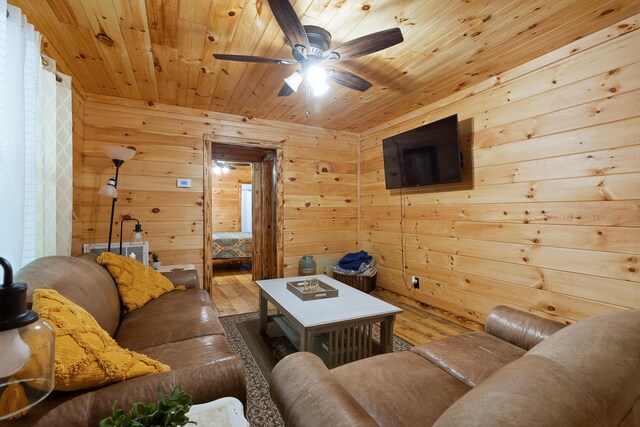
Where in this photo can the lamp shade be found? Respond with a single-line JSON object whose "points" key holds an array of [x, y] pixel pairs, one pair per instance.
{"points": [[294, 80], [109, 189], [116, 152]]}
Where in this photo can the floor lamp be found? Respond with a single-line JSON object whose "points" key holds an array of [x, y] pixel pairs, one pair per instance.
{"points": [[118, 155], [137, 236]]}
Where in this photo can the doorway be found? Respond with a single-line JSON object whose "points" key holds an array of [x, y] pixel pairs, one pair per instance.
{"points": [[267, 203]]}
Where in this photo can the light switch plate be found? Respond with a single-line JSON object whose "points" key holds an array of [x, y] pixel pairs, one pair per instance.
{"points": [[183, 183]]}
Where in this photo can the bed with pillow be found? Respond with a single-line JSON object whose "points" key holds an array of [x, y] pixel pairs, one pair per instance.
{"points": [[150, 327], [231, 246]]}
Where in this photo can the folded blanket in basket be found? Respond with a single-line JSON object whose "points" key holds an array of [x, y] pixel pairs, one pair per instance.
{"points": [[366, 269], [353, 261]]}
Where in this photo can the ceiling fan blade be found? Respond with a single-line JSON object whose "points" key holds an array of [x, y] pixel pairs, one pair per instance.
{"points": [[367, 44], [289, 23], [350, 80], [248, 58], [285, 90]]}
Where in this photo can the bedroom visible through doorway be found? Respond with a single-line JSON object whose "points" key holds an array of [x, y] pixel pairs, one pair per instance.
{"points": [[231, 214], [243, 197]]}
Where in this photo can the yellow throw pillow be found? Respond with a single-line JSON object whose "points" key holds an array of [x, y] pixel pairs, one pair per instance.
{"points": [[85, 355], [137, 283]]}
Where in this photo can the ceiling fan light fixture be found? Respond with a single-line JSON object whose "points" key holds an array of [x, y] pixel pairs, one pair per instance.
{"points": [[317, 78], [225, 170], [320, 89], [294, 80], [217, 170]]}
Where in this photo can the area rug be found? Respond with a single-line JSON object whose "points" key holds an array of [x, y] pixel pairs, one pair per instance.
{"points": [[259, 356]]}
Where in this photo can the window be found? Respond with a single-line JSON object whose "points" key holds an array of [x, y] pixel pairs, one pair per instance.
{"points": [[245, 208]]}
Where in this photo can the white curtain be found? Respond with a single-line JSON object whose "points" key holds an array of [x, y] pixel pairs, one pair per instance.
{"points": [[19, 65], [64, 166], [55, 162], [25, 218]]}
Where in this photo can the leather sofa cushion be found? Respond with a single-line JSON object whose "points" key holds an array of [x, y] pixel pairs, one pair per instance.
{"points": [[141, 332], [400, 388], [470, 357], [171, 302], [81, 280], [192, 352], [529, 391], [585, 374]]}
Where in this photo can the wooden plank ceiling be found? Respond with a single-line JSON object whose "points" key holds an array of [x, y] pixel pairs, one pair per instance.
{"points": [[160, 50]]}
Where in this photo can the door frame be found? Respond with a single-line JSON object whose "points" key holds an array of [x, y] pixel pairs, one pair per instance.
{"points": [[278, 147]]}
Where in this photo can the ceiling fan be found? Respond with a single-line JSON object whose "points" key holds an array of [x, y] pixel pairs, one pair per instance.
{"points": [[222, 167], [310, 47]]}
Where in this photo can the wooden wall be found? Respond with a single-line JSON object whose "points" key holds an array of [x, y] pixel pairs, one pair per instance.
{"points": [[547, 219], [226, 199], [77, 108], [320, 199], [320, 175]]}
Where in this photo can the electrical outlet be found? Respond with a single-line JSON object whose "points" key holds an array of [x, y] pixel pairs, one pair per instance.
{"points": [[415, 281]]}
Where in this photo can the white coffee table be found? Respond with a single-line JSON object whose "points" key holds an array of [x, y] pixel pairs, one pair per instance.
{"points": [[338, 329]]}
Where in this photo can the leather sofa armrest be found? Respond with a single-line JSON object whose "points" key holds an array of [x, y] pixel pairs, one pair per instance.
{"points": [[187, 278], [519, 328], [204, 383], [308, 395]]}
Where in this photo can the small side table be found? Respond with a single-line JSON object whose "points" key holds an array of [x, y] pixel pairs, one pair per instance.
{"points": [[177, 267], [225, 412]]}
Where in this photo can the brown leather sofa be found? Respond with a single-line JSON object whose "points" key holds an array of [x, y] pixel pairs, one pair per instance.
{"points": [[179, 328], [523, 371]]}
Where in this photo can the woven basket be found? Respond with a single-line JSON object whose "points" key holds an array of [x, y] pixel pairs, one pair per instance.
{"points": [[361, 283]]}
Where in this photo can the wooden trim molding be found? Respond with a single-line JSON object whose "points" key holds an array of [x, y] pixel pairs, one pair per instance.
{"points": [[278, 148], [207, 267]]}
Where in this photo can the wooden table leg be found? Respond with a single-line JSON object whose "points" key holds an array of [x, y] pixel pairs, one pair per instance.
{"points": [[386, 334], [306, 340], [263, 312]]}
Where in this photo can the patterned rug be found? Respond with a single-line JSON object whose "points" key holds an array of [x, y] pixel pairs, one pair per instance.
{"points": [[261, 411], [259, 358]]}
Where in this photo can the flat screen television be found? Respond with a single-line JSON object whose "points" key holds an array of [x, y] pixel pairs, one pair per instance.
{"points": [[426, 155]]}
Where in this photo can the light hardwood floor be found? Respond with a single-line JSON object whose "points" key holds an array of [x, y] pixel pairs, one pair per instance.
{"points": [[233, 292]]}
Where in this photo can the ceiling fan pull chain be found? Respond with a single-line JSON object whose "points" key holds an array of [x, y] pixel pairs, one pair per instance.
{"points": [[308, 113]]}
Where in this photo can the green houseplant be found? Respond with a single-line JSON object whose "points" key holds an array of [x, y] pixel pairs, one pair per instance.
{"points": [[155, 261], [170, 411]]}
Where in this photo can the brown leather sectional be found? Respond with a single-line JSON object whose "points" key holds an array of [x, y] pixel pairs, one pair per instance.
{"points": [[180, 329], [523, 370]]}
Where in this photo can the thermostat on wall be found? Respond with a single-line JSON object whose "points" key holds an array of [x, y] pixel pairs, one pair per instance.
{"points": [[183, 183]]}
